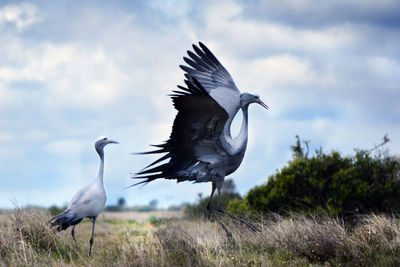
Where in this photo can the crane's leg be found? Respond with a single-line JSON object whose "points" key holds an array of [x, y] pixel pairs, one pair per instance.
{"points": [[219, 187], [91, 239], [214, 186], [73, 233], [228, 233], [220, 209]]}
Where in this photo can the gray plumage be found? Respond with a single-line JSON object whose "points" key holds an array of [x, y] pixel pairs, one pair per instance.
{"points": [[200, 147], [87, 202]]}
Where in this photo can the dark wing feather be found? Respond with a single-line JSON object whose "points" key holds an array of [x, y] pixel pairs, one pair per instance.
{"points": [[207, 70], [199, 122]]}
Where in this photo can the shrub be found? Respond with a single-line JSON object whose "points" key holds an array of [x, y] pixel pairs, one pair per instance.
{"points": [[55, 210], [27, 238], [179, 246], [329, 183]]}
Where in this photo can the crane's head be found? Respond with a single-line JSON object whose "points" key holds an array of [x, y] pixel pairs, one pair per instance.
{"points": [[247, 99], [101, 142]]}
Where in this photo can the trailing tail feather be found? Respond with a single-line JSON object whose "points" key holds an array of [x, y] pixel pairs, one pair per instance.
{"points": [[64, 220]]}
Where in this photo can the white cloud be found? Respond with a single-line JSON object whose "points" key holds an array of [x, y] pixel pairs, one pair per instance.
{"points": [[6, 137], [71, 74], [66, 148], [22, 16], [223, 20], [6, 96], [279, 70], [169, 7], [385, 69]]}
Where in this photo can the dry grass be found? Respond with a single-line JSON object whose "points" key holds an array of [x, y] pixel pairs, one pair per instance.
{"points": [[26, 239], [141, 216]]}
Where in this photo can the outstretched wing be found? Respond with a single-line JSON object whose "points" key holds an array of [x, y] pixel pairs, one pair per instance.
{"points": [[207, 70], [194, 141], [215, 79]]}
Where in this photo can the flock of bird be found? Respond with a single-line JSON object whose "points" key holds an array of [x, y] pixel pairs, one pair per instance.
{"points": [[200, 148]]}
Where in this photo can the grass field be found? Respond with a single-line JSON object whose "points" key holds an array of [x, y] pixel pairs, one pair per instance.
{"points": [[26, 239]]}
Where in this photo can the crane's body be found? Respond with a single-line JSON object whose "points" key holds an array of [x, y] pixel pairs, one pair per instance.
{"points": [[201, 147], [87, 202]]}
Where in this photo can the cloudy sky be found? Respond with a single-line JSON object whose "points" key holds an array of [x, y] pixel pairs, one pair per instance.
{"points": [[71, 71]]}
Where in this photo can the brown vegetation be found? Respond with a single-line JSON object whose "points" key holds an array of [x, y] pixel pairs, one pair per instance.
{"points": [[297, 240]]}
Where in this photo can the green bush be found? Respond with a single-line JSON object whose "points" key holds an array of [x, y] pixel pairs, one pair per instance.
{"points": [[55, 210], [329, 183]]}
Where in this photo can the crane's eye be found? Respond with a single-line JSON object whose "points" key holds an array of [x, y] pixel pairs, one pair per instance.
{"points": [[105, 138]]}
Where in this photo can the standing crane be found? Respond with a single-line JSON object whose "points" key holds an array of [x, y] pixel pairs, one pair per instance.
{"points": [[201, 147], [87, 202]]}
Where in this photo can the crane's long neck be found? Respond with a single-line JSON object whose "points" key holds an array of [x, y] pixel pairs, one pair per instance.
{"points": [[242, 136], [101, 169], [235, 145]]}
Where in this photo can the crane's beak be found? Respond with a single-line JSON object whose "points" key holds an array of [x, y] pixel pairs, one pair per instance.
{"points": [[112, 142], [263, 104]]}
